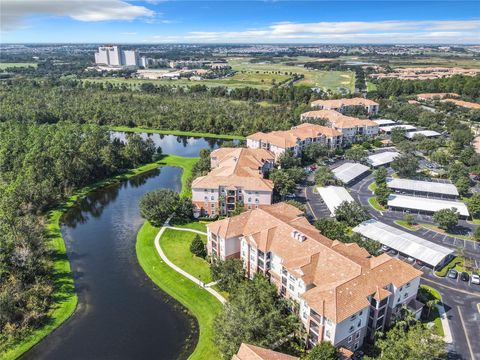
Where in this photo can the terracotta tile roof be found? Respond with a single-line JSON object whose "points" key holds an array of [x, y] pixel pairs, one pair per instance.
{"points": [[343, 276], [288, 138], [431, 96], [237, 168], [251, 352], [465, 104], [338, 103], [337, 119]]}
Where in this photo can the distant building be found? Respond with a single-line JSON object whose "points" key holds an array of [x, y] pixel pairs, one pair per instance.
{"points": [[112, 55], [465, 104], [251, 352], [436, 96], [341, 105]]}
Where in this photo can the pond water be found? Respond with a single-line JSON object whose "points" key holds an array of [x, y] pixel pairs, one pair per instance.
{"points": [[179, 145], [121, 313]]}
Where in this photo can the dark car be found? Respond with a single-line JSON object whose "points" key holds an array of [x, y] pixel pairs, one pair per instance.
{"points": [[464, 276], [452, 274]]}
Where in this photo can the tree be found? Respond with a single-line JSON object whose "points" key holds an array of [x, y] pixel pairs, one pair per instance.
{"points": [[446, 219], [473, 205], [282, 181], [254, 314], [351, 213], [397, 135], [197, 247], [156, 206], [416, 342], [314, 151], [183, 212], [463, 185], [409, 219], [382, 192], [380, 175], [228, 273], [324, 177], [355, 153], [323, 351], [288, 160], [476, 233], [331, 228], [405, 165]]}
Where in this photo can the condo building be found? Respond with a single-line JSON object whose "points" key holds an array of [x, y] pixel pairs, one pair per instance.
{"points": [[351, 128], [236, 179], [341, 105], [295, 139], [342, 294]]}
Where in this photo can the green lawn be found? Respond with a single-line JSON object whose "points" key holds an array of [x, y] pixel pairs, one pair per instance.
{"points": [[201, 304], [372, 186], [404, 224], [371, 86], [65, 298], [4, 66], [374, 203], [176, 133], [427, 293], [176, 245], [328, 80]]}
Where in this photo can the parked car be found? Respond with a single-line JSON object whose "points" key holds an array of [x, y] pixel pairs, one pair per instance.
{"points": [[464, 276], [290, 196], [475, 279], [452, 273], [410, 260], [385, 248], [393, 252], [419, 263]]}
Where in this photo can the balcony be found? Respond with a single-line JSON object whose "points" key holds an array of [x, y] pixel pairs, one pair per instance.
{"points": [[315, 316], [231, 200]]}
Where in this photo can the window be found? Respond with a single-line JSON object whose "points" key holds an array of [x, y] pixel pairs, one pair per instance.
{"points": [[353, 317], [249, 199], [351, 329], [212, 197], [327, 334], [360, 313], [408, 284], [350, 338], [355, 347], [291, 287], [405, 295], [359, 323], [357, 335]]}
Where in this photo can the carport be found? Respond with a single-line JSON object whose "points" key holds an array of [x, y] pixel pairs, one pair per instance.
{"points": [[333, 196], [426, 251], [382, 159], [425, 206], [349, 172]]}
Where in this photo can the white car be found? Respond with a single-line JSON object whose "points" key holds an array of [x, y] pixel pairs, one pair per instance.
{"points": [[475, 279]]}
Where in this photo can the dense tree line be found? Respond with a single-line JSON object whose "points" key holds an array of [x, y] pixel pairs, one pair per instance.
{"points": [[468, 86], [39, 166], [44, 102]]}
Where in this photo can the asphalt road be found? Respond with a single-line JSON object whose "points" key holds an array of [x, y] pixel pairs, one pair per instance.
{"points": [[460, 298]]}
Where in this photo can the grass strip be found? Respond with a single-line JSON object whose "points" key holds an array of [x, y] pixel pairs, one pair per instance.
{"points": [[176, 133], [201, 304], [375, 204], [65, 298]]}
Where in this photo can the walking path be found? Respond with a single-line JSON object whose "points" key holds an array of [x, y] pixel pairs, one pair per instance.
{"points": [[446, 326], [160, 252]]}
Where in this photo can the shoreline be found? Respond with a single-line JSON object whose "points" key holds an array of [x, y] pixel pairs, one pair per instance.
{"points": [[176, 133], [63, 277]]}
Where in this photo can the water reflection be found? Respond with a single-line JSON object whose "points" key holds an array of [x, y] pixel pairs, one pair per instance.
{"points": [[121, 314], [178, 145]]}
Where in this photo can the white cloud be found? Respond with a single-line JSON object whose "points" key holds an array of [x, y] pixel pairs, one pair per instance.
{"points": [[354, 31], [13, 12]]}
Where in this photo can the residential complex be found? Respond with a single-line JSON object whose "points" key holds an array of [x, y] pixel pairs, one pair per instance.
{"points": [[465, 104], [351, 128], [252, 352], [295, 139], [436, 96], [425, 73], [342, 104], [113, 55], [236, 179], [343, 294]]}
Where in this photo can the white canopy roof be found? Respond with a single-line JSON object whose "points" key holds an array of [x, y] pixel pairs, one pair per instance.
{"points": [[426, 133], [349, 171], [383, 122], [382, 158], [334, 196], [388, 129], [423, 204], [409, 244], [422, 186]]}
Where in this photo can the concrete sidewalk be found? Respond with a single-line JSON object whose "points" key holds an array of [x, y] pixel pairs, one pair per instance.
{"points": [[179, 270]]}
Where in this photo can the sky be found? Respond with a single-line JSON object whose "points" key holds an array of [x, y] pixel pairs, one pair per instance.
{"points": [[157, 21]]}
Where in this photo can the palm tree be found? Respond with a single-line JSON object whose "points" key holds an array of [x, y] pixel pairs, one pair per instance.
{"points": [[430, 304]]}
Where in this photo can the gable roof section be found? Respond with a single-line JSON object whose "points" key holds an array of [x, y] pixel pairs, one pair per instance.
{"points": [[252, 352]]}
